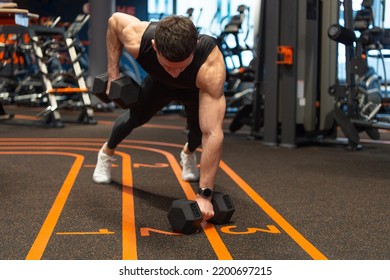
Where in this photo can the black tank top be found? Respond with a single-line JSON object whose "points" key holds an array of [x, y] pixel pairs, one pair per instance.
{"points": [[186, 81]]}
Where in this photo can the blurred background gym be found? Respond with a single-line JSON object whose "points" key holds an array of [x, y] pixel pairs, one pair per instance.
{"points": [[306, 124]]}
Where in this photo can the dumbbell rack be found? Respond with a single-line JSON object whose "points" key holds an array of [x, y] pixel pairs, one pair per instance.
{"points": [[51, 112]]}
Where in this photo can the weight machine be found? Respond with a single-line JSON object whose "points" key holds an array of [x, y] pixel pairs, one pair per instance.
{"points": [[295, 65], [298, 98], [359, 100]]}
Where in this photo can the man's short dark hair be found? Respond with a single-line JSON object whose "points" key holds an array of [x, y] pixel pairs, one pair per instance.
{"points": [[176, 38]]}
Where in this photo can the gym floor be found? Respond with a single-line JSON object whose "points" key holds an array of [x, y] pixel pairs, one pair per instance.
{"points": [[313, 202]]}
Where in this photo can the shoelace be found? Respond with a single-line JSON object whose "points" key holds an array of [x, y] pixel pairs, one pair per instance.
{"points": [[107, 162]]}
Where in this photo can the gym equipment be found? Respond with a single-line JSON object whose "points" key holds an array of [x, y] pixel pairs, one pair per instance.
{"points": [[123, 91], [233, 47], [223, 208], [47, 71], [359, 100], [232, 41], [99, 88], [185, 216], [291, 104]]}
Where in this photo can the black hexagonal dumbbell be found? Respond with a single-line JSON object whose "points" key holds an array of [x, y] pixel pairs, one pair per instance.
{"points": [[223, 208], [123, 91], [100, 86], [185, 216]]}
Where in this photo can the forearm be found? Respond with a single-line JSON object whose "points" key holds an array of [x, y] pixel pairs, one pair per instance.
{"points": [[212, 144], [211, 116], [114, 49]]}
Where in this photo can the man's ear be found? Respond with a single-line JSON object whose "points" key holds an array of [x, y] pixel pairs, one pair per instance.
{"points": [[154, 45]]}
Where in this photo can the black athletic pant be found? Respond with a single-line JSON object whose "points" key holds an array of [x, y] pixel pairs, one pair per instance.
{"points": [[153, 97]]}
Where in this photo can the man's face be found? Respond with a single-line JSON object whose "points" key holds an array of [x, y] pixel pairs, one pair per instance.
{"points": [[174, 68]]}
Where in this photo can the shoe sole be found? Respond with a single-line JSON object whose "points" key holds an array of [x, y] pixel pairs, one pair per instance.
{"points": [[190, 179], [101, 182]]}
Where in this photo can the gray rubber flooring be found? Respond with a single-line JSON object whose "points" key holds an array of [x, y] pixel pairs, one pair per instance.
{"points": [[312, 202]]}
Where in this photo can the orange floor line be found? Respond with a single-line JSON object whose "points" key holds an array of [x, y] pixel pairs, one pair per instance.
{"points": [[160, 126], [129, 250], [129, 240], [40, 243], [212, 235], [214, 239], [24, 117], [289, 229]]}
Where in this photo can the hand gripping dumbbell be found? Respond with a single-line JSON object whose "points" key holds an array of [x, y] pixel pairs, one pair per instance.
{"points": [[123, 91], [185, 215]]}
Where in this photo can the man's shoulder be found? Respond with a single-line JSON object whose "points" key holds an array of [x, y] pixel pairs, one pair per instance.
{"points": [[206, 45], [213, 68], [141, 26]]}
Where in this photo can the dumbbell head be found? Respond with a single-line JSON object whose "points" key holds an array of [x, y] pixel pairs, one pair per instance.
{"points": [[100, 86], [223, 208], [124, 91], [185, 216]]}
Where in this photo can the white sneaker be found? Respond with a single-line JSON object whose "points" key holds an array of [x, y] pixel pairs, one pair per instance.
{"points": [[102, 173], [190, 172]]}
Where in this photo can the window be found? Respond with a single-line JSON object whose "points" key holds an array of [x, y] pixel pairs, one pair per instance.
{"points": [[158, 9], [211, 16]]}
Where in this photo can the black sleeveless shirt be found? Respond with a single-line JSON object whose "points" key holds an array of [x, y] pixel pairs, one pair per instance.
{"points": [[186, 81]]}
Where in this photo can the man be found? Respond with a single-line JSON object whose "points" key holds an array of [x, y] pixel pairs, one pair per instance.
{"points": [[181, 66]]}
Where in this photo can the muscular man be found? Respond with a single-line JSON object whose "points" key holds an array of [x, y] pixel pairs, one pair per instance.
{"points": [[182, 66]]}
